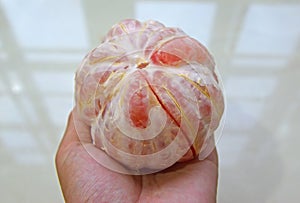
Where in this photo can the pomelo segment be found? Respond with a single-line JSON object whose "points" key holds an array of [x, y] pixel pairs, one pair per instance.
{"points": [[166, 59], [139, 102]]}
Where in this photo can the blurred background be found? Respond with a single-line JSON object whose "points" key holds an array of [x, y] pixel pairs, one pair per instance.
{"points": [[256, 45]]}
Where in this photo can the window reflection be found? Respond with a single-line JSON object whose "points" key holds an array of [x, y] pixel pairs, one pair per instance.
{"points": [[240, 143], [54, 83], [3, 56], [29, 109], [243, 116], [195, 18], [47, 24], [30, 158], [58, 109], [250, 87], [15, 139], [56, 57], [22, 146], [2, 88], [9, 112], [271, 63], [270, 29]]}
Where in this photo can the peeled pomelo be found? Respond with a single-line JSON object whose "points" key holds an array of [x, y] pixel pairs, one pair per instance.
{"points": [[151, 96]]}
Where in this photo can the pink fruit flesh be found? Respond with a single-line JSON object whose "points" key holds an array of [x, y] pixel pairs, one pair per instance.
{"points": [[165, 59], [142, 76]]}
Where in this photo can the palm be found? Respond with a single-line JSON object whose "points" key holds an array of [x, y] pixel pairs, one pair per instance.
{"points": [[84, 180]]}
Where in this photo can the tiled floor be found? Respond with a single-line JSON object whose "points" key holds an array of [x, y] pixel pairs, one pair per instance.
{"points": [[256, 45]]}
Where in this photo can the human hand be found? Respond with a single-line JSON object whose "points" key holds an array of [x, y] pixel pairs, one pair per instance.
{"points": [[83, 179]]}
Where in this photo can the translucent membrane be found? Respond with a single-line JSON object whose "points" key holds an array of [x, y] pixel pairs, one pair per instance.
{"points": [[151, 96]]}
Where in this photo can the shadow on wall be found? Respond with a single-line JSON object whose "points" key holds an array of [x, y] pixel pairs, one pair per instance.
{"points": [[250, 165]]}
